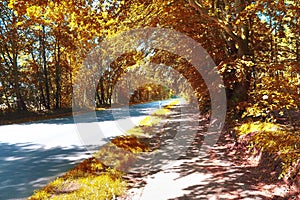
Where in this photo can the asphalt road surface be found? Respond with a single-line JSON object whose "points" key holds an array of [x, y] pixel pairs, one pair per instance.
{"points": [[34, 153]]}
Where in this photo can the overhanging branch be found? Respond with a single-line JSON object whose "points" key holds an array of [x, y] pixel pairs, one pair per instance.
{"points": [[204, 12]]}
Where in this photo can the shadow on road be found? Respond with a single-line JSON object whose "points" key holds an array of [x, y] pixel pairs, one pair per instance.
{"points": [[22, 165], [111, 114], [219, 175]]}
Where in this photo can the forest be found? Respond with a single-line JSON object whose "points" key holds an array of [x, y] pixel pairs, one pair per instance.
{"points": [[255, 45]]}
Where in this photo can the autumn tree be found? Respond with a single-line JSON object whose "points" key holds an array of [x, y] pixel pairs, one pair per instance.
{"points": [[12, 44], [235, 33], [254, 44], [52, 50]]}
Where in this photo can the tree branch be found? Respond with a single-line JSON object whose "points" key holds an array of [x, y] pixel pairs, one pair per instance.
{"points": [[204, 12]]}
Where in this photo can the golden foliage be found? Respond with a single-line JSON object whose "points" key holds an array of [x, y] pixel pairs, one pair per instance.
{"points": [[88, 179], [131, 143], [276, 140]]}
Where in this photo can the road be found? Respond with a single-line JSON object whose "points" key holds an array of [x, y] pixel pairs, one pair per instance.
{"points": [[183, 170], [34, 153]]}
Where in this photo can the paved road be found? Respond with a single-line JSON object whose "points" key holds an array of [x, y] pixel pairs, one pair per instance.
{"points": [[32, 154], [184, 171]]}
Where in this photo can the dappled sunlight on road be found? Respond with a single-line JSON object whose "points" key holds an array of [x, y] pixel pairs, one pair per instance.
{"points": [[218, 174], [25, 168]]}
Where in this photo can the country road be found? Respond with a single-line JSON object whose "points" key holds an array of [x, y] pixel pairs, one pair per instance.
{"points": [[32, 154], [184, 171]]}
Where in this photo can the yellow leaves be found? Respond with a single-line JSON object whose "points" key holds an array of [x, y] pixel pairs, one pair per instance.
{"points": [[274, 139], [110, 22], [104, 14], [37, 27], [11, 4], [227, 7], [149, 121], [234, 71], [34, 11], [19, 24], [154, 119], [257, 127], [43, 12], [73, 21], [73, 25], [251, 6], [253, 111], [55, 12], [51, 4], [275, 89], [89, 179]]}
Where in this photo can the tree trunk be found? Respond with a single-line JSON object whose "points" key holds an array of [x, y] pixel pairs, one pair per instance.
{"points": [[57, 77], [102, 91], [240, 91], [45, 70], [2, 81], [6, 97], [20, 101]]}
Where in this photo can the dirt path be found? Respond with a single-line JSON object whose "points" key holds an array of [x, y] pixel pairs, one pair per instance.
{"points": [[224, 173]]}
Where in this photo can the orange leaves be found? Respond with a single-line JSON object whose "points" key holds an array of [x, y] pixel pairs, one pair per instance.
{"points": [[131, 143], [234, 71], [89, 166]]}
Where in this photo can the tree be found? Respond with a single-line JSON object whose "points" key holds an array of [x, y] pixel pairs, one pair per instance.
{"points": [[12, 35]]}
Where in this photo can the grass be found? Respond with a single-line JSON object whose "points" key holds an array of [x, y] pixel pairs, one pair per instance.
{"points": [[89, 180], [257, 127], [93, 179], [275, 139], [122, 151], [154, 119]]}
